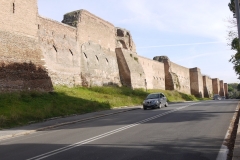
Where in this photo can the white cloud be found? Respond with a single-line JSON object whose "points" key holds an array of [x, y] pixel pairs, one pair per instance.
{"points": [[202, 18]]}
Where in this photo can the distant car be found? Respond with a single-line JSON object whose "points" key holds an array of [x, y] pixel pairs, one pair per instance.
{"points": [[223, 97], [217, 97], [155, 100]]}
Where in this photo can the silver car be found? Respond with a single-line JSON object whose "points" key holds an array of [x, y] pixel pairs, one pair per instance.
{"points": [[155, 100]]}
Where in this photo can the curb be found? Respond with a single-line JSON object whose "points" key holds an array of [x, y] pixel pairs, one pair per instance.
{"points": [[62, 124], [236, 153]]}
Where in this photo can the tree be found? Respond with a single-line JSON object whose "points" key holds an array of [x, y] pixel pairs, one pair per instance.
{"points": [[234, 41], [231, 6]]}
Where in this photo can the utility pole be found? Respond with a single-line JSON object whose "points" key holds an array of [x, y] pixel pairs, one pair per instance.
{"points": [[237, 15]]}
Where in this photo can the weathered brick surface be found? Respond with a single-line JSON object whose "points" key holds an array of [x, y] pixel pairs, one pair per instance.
{"points": [[222, 90], [92, 28], [130, 69], [226, 89], [61, 52], [208, 87], [37, 53], [176, 77], [19, 16], [99, 67], [21, 64], [216, 86], [196, 82], [154, 72]]}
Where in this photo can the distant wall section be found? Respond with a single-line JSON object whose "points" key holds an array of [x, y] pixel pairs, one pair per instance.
{"points": [[154, 72], [196, 82], [222, 90], [216, 86], [176, 77], [207, 87]]}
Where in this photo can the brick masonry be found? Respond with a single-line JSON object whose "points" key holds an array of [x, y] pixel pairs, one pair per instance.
{"points": [[84, 50]]}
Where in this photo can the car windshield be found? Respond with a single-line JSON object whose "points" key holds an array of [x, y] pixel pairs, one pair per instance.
{"points": [[152, 96]]}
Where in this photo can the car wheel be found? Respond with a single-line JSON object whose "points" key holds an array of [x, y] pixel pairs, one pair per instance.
{"points": [[166, 104], [144, 108]]}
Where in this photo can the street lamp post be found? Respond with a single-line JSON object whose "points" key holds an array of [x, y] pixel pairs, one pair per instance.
{"points": [[237, 14]]}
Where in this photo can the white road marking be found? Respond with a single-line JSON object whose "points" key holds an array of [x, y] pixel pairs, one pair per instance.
{"points": [[223, 152], [54, 152]]}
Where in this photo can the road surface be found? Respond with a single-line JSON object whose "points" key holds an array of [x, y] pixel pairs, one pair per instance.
{"points": [[183, 131]]}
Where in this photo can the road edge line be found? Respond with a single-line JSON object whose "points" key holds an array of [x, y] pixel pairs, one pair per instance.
{"points": [[224, 150]]}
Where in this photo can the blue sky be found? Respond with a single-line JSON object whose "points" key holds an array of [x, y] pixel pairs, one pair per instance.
{"points": [[191, 33]]}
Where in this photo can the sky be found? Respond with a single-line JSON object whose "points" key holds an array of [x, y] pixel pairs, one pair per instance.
{"points": [[191, 33]]}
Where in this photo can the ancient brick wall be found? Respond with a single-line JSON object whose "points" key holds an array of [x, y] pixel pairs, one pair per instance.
{"points": [[216, 86], [208, 87], [99, 67], [19, 16], [226, 89], [154, 72], [22, 67], [61, 51], [196, 82], [124, 39], [182, 83], [92, 28], [222, 90], [130, 69], [176, 77]]}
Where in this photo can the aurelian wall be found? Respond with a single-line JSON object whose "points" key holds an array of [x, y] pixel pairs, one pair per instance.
{"points": [[216, 86], [196, 82], [154, 72], [222, 90], [21, 64], [19, 16], [226, 89], [99, 67], [92, 28], [130, 69], [182, 81], [61, 51], [176, 77], [124, 39], [207, 87]]}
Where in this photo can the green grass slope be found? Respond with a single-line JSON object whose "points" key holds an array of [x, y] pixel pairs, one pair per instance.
{"points": [[18, 109]]}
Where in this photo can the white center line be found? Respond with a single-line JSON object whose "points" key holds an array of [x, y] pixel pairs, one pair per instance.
{"points": [[54, 152]]}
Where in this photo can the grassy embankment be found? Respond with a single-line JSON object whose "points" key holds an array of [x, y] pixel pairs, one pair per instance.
{"points": [[21, 108]]}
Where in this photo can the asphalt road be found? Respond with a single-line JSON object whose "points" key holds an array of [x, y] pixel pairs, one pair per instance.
{"points": [[184, 131]]}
